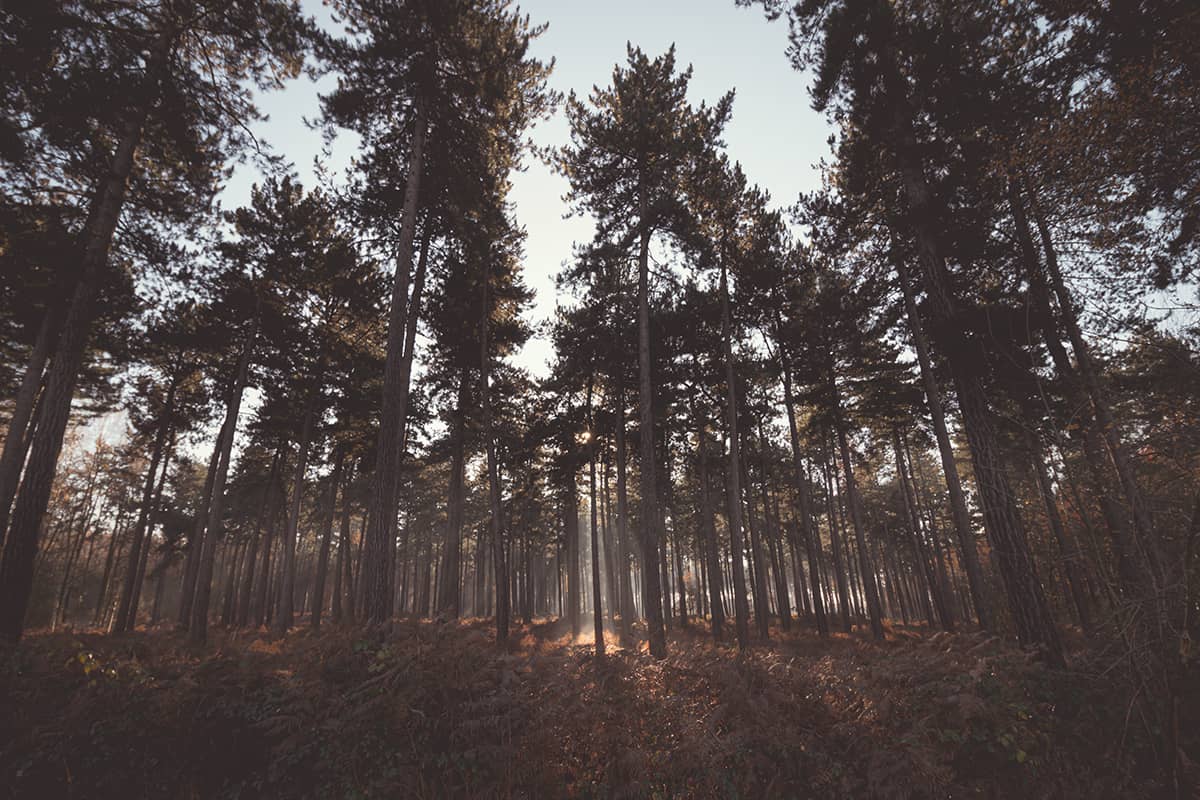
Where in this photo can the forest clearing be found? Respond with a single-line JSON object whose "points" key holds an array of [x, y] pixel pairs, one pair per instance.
{"points": [[662, 399]]}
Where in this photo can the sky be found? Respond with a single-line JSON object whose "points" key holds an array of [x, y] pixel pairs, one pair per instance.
{"points": [[773, 132]]}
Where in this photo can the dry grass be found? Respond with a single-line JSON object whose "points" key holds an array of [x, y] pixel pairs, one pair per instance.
{"points": [[435, 710]]}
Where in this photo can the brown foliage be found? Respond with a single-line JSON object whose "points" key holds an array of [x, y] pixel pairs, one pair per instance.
{"points": [[435, 710]]}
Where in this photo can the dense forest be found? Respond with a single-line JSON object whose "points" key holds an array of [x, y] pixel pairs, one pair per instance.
{"points": [[891, 489]]}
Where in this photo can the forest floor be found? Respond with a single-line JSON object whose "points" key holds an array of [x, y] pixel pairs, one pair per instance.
{"points": [[436, 710]]}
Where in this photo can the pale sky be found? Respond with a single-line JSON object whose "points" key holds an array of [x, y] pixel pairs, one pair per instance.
{"points": [[774, 133]]}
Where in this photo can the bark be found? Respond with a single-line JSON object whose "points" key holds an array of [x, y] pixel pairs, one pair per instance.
{"points": [[866, 568], [914, 525], [16, 441], [449, 599], [1070, 554], [149, 538], [285, 612], [496, 523], [127, 608], [958, 502], [1147, 539], [242, 617], [384, 502], [191, 566], [1026, 600], [835, 547], [772, 534], [808, 530], [318, 603], [758, 577], [571, 512], [341, 570], [651, 582], [118, 533], [597, 606], [198, 629], [734, 471], [21, 542], [626, 584], [711, 551]]}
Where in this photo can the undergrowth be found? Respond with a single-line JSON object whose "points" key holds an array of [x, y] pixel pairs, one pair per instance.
{"points": [[435, 710]]}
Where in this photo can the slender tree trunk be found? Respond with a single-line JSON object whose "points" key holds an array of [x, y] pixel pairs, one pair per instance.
{"points": [[1070, 553], [1147, 538], [711, 552], [597, 606], [21, 542], [937, 413], [493, 468], [335, 480], [866, 568], [384, 500], [651, 583], [16, 441], [808, 530], [571, 514], [342, 566], [916, 476], [772, 533], [625, 583], [215, 511], [734, 471], [149, 538], [758, 577], [285, 613], [258, 540], [118, 533], [237, 563], [914, 526], [1026, 600], [610, 559], [126, 609], [449, 600], [191, 566]]}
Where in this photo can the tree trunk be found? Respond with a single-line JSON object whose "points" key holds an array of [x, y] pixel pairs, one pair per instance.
{"points": [[808, 530], [758, 576], [384, 501], [711, 551], [285, 612], [341, 569], [571, 520], [625, 583], [15, 439], [734, 472], [21, 542], [771, 532], [1070, 554], [865, 567], [597, 605], [651, 583], [126, 609], [498, 545], [198, 630], [914, 526], [1026, 600], [937, 413], [191, 566], [335, 480], [149, 538], [118, 533], [1147, 538], [449, 597]]}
